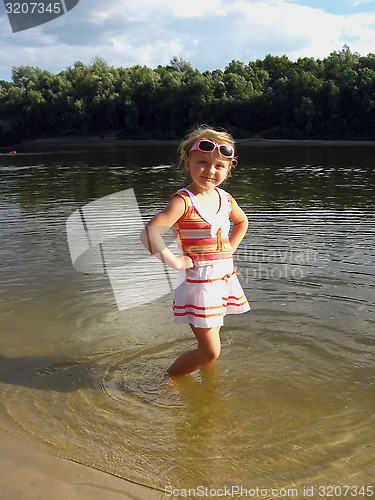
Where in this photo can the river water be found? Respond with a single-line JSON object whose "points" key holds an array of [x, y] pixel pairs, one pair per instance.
{"points": [[290, 402]]}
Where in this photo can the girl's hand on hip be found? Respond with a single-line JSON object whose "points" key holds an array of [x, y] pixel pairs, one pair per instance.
{"points": [[185, 262]]}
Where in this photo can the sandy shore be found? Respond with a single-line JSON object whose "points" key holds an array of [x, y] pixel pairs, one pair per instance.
{"points": [[30, 471]]}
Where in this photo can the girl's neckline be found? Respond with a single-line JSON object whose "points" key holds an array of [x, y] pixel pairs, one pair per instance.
{"points": [[204, 205]]}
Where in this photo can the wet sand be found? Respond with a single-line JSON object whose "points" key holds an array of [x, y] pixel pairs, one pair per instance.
{"points": [[30, 470]]}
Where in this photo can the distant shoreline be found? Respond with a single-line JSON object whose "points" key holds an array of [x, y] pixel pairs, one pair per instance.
{"points": [[75, 142]]}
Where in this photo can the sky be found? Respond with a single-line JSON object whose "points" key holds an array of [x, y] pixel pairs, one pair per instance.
{"points": [[209, 34]]}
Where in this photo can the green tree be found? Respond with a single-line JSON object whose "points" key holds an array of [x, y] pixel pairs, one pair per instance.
{"points": [[331, 98]]}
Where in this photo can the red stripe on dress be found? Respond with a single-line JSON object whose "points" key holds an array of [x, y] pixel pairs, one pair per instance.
{"points": [[236, 305], [200, 308], [196, 307], [192, 313], [197, 315], [231, 297]]}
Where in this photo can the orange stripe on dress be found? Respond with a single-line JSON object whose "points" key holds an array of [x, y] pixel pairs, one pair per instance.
{"points": [[225, 304], [220, 242], [198, 315], [192, 313], [232, 304], [232, 297], [196, 307]]}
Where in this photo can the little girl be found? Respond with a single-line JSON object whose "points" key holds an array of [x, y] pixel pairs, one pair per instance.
{"points": [[199, 215]]}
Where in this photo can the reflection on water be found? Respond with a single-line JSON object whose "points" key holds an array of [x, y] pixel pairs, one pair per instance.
{"points": [[290, 401]]}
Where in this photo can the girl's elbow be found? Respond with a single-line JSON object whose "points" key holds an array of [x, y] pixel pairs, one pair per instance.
{"points": [[143, 237]]}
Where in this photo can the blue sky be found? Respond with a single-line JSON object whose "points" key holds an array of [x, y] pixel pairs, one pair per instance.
{"points": [[344, 7], [209, 34]]}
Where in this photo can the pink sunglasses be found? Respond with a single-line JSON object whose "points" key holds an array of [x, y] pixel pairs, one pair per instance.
{"points": [[207, 146]]}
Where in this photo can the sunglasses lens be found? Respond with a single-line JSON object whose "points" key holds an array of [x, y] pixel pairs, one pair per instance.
{"points": [[206, 146], [226, 151]]}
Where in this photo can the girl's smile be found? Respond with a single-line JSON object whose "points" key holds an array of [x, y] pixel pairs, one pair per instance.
{"points": [[207, 170]]}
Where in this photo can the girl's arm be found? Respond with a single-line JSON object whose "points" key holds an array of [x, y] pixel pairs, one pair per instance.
{"points": [[240, 224], [151, 236]]}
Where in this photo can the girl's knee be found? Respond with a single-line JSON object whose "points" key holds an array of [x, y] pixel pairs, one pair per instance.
{"points": [[208, 344], [210, 354]]}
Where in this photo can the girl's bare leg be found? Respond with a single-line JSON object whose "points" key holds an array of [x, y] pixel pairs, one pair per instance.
{"points": [[207, 351]]}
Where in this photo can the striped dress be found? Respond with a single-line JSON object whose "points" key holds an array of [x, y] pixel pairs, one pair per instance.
{"points": [[209, 291]]}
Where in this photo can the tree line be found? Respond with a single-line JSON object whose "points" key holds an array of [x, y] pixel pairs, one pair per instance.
{"points": [[333, 98]]}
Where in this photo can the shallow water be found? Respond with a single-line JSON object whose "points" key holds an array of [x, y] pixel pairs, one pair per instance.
{"points": [[290, 402]]}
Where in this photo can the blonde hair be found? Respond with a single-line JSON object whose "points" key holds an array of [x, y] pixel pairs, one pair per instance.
{"points": [[204, 132]]}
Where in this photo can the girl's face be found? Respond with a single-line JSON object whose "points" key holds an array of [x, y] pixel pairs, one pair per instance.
{"points": [[207, 170]]}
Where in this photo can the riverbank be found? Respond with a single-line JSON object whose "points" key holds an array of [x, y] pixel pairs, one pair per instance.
{"points": [[111, 141]]}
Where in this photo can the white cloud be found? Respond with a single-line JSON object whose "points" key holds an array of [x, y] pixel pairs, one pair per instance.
{"points": [[209, 34], [281, 27], [176, 8], [156, 10], [145, 54], [314, 30]]}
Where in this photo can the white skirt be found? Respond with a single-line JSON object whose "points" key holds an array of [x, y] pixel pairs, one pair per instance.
{"points": [[207, 294]]}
